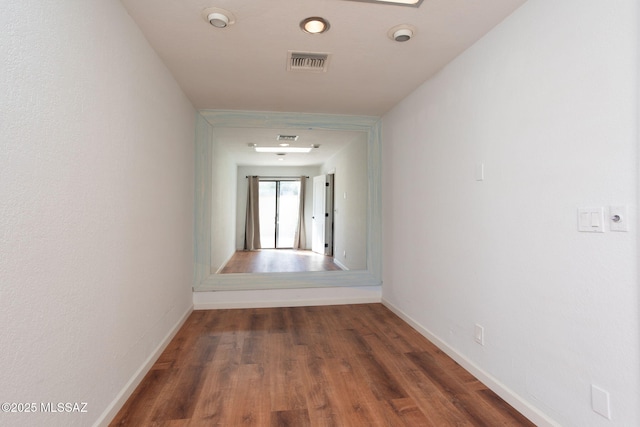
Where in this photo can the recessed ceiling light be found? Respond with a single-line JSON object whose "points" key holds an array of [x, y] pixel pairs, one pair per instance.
{"points": [[402, 32], [403, 35], [219, 18], [281, 150], [314, 25], [412, 3], [284, 144]]}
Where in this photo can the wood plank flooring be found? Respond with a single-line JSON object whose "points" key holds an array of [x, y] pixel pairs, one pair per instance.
{"points": [[348, 365], [278, 261]]}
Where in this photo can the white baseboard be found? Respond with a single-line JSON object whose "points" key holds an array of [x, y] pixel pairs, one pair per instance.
{"points": [[226, 261], [339, 264], [117, 404], [513, 399], [286, 297]]}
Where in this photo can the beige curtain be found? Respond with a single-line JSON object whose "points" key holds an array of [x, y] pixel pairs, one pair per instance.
{"points": [[300, 238], [252, 221]]}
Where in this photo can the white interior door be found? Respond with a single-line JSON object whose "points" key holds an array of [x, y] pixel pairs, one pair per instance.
{"points": [[317, 230]]}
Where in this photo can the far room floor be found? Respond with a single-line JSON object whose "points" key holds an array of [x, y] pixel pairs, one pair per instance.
{"points": [[278, 261]]}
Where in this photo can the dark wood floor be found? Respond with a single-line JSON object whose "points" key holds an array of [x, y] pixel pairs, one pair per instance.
{"points": [[351, 365], [278, 261]]}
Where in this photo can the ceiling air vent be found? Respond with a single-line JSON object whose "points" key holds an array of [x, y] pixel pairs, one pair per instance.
{"points": [[287, 137], [307, 61]]}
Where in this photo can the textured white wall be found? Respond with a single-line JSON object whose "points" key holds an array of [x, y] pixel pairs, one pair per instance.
{"points": [[350, 216], [96, 205], [223, 219], [548, 101]]}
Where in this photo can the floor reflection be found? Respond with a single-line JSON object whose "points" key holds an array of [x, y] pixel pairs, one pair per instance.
{"points": [[278, 261]]}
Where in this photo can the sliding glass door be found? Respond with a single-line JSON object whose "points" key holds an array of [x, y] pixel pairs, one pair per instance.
{"points": [[279, 203]]}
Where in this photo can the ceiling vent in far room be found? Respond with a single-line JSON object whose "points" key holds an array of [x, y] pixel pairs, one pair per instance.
{"points": [[287, 138], [307, 61]]}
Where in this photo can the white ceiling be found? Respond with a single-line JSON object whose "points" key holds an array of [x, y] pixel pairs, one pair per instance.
{"points": [[244, 66]]}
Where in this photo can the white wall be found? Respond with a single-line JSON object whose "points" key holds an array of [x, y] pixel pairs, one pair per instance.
{"points": [[224, 194], [241, 203], [548, 101], [350, 214], [96, 205]]}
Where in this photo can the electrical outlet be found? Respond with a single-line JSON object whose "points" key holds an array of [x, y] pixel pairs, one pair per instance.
{"points": [[618, 219], [479, 172], [478, 334], [600, 401]]}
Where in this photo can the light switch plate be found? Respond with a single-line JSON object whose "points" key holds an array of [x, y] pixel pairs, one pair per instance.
{"points": [[591, 220]]}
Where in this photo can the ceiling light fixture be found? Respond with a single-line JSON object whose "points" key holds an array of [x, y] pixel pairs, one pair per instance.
{"points": [[415, 3], [282, 150], [411, 3], [219, 18], [314, 25], [402, 33]]}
